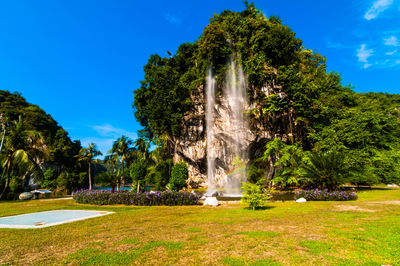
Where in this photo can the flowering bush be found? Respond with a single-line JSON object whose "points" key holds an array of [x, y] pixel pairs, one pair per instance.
{"points": [[326, 195], [104, 197]]}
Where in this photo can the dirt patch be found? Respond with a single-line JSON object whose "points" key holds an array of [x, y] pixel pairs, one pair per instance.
{"points": [[391, 202], [352, 208]]}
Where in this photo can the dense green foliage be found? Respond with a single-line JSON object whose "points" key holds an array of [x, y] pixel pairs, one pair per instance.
{"points": [[255, 195], [134, 163], [88, 155], [179, 175], [121, 151], [34, 139], [334, 135]]}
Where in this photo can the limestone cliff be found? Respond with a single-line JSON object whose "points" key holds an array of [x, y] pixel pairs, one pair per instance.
{"points": [[191, 147]]}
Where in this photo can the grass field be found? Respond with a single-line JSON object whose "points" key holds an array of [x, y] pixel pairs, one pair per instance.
{"points": [[366, 231]]}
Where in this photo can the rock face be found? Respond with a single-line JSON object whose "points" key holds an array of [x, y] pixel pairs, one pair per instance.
{"points": [[191, 147]]}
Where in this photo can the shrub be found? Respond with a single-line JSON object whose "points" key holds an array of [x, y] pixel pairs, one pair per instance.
{"points": [[325, 195], [255, 195], [179, 175], [129, 197], [326, 170], [49, 181]]}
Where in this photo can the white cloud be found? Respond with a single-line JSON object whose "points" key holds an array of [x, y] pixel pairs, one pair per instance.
{"points": [[107, 130], [363, 54], [391, 53], [397, 62], [172, 19], [107, 135], [392, 41], [366, 65], [377, 7]]}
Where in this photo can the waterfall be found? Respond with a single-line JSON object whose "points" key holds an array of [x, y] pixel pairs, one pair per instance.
{"points": [[210, 93], [227, 141], [236, 95]]}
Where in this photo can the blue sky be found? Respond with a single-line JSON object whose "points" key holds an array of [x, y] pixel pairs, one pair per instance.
{"points": [[81, 60]]}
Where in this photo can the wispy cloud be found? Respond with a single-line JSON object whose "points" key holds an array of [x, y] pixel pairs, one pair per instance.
{"points": [[172, 19], [391, 53], [392, 41], [107, 130], [363, 54], [377, 7], [107, 134]]}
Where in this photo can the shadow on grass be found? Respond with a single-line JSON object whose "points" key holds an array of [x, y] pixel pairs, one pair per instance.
{"points": [[367, 188], [263, 208]]}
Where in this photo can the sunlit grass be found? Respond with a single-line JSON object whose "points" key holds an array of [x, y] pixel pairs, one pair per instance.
{"points": [[331, 233]]}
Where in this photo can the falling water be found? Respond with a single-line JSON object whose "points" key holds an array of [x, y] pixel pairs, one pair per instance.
{"points": [[235, 129], [210, 93], [235, 93]]}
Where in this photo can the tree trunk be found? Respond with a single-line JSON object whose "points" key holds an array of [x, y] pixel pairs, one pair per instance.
{"points": [[7, 179], [122, 177], [270, 172], [90, 177], [291, 127], [5, 187]]}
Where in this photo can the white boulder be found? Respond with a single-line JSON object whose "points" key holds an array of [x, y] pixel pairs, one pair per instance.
{"points": [[301, 200], [212, 201], [25, 196]]}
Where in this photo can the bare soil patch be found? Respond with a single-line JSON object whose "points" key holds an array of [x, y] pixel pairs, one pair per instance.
{"points": [[352, 208], [391, 202]]}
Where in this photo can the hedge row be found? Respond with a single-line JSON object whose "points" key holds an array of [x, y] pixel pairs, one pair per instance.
{"points": [[127, 197], [325, 195]]}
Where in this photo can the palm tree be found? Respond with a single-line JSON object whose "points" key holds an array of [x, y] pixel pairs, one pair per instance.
{"points": [[121, 148], [142, 148], [111, 160], [157, 171], [326, 169], [17, 153], [87, 155]]}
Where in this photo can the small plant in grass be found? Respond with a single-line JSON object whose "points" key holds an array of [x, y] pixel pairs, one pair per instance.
{"points": [[325, 195], [255, 195]]}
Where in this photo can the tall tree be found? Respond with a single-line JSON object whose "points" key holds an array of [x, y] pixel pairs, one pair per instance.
{"points": [[111, 160], [121, 148], [87, 155], [142, 149]]}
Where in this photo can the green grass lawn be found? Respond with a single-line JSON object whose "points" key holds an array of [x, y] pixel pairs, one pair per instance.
{"points": [[366, 231]]}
